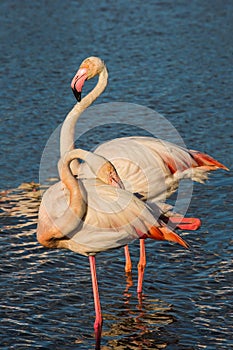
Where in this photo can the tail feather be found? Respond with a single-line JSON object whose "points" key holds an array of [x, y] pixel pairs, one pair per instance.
{"points": [[185, 223], [164, 234], [204, 159]]}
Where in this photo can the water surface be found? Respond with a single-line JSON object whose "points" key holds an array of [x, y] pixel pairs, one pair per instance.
{"points": [[173, 57]]}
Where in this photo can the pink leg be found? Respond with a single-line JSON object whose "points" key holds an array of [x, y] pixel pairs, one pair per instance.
{"points": [[141, 265], [128, 263], [98, 315]]}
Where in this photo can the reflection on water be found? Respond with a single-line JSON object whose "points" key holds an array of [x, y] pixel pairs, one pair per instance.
{"points": [[20, 206], [139, 326]]}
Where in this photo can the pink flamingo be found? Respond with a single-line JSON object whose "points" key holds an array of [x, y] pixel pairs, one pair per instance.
{"points": [[92, 215], [133, 157]]}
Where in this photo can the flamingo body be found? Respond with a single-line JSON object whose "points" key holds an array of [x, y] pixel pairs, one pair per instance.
{"points": [[154, 167], [113, 218]]}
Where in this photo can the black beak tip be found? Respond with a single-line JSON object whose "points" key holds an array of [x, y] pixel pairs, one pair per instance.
{"points": [[77, 95]]}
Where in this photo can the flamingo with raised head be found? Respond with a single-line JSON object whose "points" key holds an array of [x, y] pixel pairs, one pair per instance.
{"points": [[92, 215], [150, 167]]}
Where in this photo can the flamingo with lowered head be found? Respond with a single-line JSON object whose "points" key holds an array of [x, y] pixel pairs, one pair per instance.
{"points": [[92, 215], [148, 166]]}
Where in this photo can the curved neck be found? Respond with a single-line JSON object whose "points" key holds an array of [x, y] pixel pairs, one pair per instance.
{"points": [[69, 180], [68, 128], [100, 166], [77, 198]]}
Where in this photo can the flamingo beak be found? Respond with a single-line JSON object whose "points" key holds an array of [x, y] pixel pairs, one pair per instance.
{"points": [[78, 82], [116, 182], [77, 95]]}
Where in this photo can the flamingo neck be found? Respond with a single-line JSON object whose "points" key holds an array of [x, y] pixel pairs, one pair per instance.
{"points": [[100, 166], [67, 137], [77, 201]]}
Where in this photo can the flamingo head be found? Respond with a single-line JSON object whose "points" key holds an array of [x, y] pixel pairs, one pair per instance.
{"points": [[89, 68], [104, 169], [109, 175]]}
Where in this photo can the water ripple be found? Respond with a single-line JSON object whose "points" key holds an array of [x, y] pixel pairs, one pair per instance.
{"points": [[174, 57]]}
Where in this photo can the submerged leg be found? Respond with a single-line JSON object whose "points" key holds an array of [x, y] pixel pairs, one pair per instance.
{"points": [[128, 269], [141, 265], [98, 315]]}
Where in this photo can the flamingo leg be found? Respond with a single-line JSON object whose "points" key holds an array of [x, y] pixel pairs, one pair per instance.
{"points": [[128, 269], [98, 314], [128, 263], [141, 265]]}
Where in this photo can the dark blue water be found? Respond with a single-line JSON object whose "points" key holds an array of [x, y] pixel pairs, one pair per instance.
{"points": [[174, 57]]}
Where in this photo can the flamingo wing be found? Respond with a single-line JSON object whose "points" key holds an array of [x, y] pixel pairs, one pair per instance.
{"points": [[153, 168], [114, 217]]}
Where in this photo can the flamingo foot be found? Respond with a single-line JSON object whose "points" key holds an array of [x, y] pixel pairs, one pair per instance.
{"points": [[185, 223]]}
